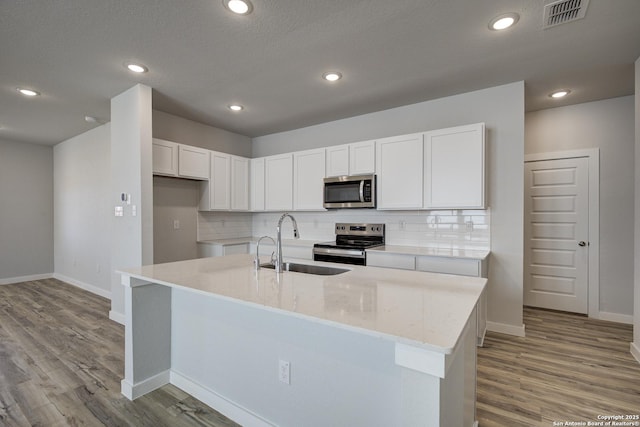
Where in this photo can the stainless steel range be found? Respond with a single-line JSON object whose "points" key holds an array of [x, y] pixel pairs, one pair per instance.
{"points": [[351, 242]]}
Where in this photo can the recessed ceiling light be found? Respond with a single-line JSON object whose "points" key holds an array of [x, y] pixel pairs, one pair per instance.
{"points": [[28, 92], [332, 76], [502, 22], [560, 93], [137, 68], [240, 7], [236, 107]]}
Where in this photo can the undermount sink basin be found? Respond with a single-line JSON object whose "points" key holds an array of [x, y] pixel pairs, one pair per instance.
{"points": [[308, 269]]}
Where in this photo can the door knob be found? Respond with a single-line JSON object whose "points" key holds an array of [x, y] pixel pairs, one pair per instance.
{"points": [[582, 243]]}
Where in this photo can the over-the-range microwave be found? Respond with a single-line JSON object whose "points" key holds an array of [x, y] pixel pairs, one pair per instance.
{"points": [[357, 191]]}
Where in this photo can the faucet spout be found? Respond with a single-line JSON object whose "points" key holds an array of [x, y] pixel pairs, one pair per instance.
{"points": [[279, 263]]}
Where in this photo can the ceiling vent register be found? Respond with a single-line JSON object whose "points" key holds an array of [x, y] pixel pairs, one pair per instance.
{"points": [[564, 11]]}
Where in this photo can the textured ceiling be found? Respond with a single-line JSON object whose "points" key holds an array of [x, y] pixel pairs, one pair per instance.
{"points": [[201, 58]]}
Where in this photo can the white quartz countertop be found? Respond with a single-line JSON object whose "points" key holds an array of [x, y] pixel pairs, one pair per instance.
{"points": [[439, 252], [426, 310], [254, 239]]}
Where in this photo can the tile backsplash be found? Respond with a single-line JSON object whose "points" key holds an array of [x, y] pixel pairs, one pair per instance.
{"points": [[467, 229]]}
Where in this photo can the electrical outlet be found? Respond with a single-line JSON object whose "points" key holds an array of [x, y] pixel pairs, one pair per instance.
{"points": [[469, 225], [403, 225], [176, 224], [284, 372]]}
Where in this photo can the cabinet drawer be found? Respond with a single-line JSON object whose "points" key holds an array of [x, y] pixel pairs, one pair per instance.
{"points": [[462, 267], [242, 248], [378, 259]]}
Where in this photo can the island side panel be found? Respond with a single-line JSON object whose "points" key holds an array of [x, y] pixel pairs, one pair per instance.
{"points": [[147, 337], [233, 350]]}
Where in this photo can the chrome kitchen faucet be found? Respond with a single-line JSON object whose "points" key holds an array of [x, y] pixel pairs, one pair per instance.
{"points": [[278, 264]]}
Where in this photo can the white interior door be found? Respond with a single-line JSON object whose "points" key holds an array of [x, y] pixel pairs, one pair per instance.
{"points": [[556, 251]]}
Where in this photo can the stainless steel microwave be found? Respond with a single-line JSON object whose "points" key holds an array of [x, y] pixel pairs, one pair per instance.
{"points": [[358, 191]]}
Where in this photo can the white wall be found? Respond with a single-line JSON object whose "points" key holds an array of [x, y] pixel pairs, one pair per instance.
{"points": [[131, 172], [178, 129], [607, 125], [502, 110], [81, 179], [26, 211], [635, 345], [175, 199]]}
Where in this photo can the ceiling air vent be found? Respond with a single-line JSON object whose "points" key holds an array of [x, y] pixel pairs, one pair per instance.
{"points": [[563, 11]]}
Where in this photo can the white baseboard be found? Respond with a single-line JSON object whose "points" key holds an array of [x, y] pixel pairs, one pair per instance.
{"points": [[117, 317], [615, 317], [226, 407], [504, 328], [82, 285], [635, 351], [134, 391], [12, 280]]}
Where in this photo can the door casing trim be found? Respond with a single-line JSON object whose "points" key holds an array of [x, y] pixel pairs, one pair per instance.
{"points": [[593, 154]]}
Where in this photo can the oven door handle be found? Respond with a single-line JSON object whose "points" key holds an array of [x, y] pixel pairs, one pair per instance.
{"points": [[341, 252]]}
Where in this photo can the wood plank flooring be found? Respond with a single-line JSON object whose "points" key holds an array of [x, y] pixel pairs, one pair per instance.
{"points": [[61, 361], [567, 368]]}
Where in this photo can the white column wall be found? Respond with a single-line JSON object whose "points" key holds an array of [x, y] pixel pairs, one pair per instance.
{"points": [[635, 345], [131, 173]]}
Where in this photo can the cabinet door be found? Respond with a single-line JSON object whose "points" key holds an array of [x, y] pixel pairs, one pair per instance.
{"points": [[362, 158], [279, 182], [239, 183], [337, 160], [399, 168], [308, 180], [220, 181], [193, 162], [165, 157], [256, 188], [454, 168]]}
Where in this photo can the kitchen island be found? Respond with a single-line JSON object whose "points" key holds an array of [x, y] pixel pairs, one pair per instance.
{"points": [[371, 346]]}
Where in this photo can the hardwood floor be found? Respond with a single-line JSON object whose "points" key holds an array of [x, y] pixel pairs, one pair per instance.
{"points": [[61, 361], [568, 368]]}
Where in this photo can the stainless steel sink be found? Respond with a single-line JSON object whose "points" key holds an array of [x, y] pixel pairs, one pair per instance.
{"points": [[308, 269]]}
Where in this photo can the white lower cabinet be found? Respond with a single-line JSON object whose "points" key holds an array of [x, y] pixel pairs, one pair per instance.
{"points": [[381, 259], [459, 266], [399, 165], [278, 182], [206, 250], [308, 180]]}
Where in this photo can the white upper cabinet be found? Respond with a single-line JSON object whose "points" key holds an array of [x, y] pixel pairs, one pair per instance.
{"points": [[454, 175], [308, 179], [165, 157], [279, 182], [239, 183], [256, 184], [362, 158], [358, 158], [399, 166], [216, 194], [193, 162], [337, 160], [179, 160]]}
